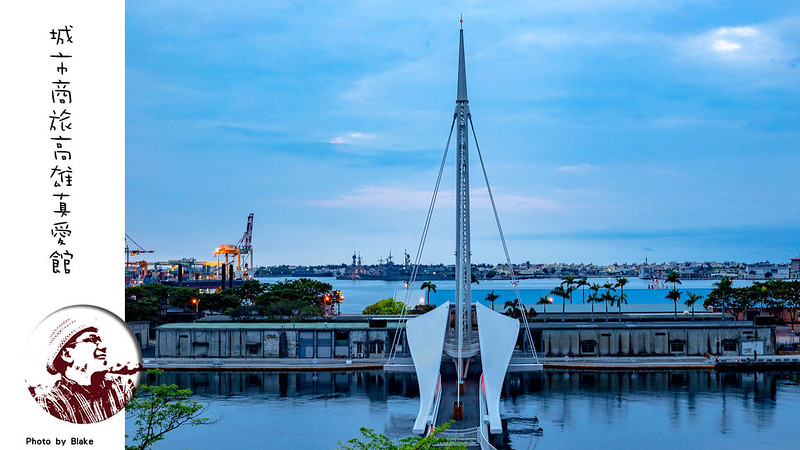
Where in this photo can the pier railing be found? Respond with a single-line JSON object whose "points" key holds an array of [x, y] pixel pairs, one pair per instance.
{"points": [[483, 425]]}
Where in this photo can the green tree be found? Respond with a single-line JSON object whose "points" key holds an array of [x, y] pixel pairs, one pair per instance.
{"points": [[157, 410], [139, 306], [594, 297], [302, 297], [791, 297], [743, 299], [182, 297], [569, 282], [674, 295], [491, 297], [249, 290], [582, 283], [512, 309], [246, 313], [378, 441], [336, 299], [564, 294], [422, 309], [607, 296], [621, 282], [693, 298], [387, 306], [544, 301], [720, 296], [673, 278], [430, 287], [221, 301]]}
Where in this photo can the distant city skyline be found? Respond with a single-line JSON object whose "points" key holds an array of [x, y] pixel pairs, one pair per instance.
{"points": [[611, 132]]}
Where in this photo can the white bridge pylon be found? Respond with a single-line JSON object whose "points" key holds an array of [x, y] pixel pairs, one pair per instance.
{"points": [[447, 333]]}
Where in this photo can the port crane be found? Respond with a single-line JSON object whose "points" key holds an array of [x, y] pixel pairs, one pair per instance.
{"points": [[130, 251], [243, 247]]}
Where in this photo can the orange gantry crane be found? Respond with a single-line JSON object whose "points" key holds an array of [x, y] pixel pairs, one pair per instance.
{"points": [[129, 251], [243, 248]]}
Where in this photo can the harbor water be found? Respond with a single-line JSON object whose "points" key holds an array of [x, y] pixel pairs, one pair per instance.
{"points": [[358, 294], [657, 410]]}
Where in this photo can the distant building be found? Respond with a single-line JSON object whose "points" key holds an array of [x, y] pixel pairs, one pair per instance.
{"points": [[794, 268], [766, 271]]}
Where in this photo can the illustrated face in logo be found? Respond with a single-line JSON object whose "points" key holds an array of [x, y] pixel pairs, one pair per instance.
{"points": [[87, 353]]}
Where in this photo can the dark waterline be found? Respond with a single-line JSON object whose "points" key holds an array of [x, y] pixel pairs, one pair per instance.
{"points": [[688, 409]]}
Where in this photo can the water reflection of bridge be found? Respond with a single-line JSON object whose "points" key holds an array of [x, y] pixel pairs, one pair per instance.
{"points": [[553, 392], [379, 385]]}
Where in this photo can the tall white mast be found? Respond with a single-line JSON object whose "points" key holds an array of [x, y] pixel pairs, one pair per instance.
{"points": [[463, 253]]}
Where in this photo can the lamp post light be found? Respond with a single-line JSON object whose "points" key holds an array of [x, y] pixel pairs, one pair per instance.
{"points": [[196, 303]]}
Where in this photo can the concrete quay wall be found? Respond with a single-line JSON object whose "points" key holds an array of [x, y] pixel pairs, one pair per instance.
{"points": [[357, 340], [654, 339], [272, 340]]}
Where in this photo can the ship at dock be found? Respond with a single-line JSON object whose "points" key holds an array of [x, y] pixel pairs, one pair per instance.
{"points": [[387, 270]]}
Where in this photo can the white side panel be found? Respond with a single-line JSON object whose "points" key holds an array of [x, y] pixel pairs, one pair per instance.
{"points": [[425, 336], [498, 336]]}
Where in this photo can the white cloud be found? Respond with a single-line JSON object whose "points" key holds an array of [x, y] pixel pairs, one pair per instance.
{"points": [[752, 45], [722, 45], [350, 138], [392, 198], [732, 39], [576, 169]]}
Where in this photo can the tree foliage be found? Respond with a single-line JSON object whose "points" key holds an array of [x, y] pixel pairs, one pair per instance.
{"points": [[430, 287], [491, 297], [157, 410], [512, 309], [772, 296], [378, 441], [144, 302], [302, 297], [387, 306]]}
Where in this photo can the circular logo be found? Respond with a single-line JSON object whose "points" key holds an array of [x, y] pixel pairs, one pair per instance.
{"points": [[83, 364]]}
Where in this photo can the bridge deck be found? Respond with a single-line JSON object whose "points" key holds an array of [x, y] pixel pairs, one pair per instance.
{"points": [[469, 399]]}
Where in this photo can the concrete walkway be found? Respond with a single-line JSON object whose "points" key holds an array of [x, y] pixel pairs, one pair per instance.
{"points": [[330, 364], [612, 363], [265, 364]]}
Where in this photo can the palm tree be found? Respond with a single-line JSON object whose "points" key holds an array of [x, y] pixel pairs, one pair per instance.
{"points": [[693, 298], [582, 283], [724, 286], [544, 301], [621, 282], [559, 291], [607, 296], [593, 297], [336, 299], [570, 281], [491, 297], [622, 299], [512, 308], [674, 295], [673, 278], [430, 287]]}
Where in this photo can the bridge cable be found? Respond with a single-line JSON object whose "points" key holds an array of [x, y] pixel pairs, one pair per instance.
{"points": [[503, 240], [421, 246]]}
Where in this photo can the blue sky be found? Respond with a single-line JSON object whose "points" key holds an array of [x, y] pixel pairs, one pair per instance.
{"points": [[610, 130]]}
